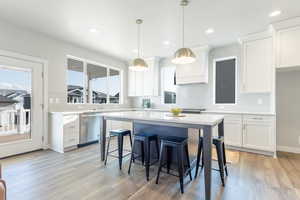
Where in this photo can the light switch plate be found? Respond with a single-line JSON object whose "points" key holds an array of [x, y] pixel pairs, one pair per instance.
{"points": [[259, 101]]}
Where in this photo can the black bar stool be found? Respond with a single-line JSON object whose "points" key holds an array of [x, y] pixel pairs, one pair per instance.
{"points": [[145, 140], [220, 147], [120, 133], [180, 145]]}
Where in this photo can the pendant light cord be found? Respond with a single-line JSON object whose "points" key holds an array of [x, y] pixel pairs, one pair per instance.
{"points": [[139, 47], [183, 26]]}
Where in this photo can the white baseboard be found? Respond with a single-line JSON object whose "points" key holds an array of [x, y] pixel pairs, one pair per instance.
{"points": [[267, 153], [288, 149]]}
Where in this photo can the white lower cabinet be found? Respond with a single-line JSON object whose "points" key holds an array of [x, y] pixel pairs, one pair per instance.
{"points": [[233, 130], [70, 130], [253, 132], [259, 133], [63, 131]]}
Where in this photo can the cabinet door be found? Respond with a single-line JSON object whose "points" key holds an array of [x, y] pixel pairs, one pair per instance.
{"points": [[148, 81], [289, 47], [139, 83], [233, 130], [257, 64], [131, 83], [71, 130], [259, 134]]}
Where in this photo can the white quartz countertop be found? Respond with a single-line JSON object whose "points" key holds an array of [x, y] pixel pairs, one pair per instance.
{"points": [[213, 111], [92, 111], [238, 112], [195, 119], [104, 110]]}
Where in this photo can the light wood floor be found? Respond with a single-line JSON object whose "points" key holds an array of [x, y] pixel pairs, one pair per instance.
{"points": [[80, 175]]}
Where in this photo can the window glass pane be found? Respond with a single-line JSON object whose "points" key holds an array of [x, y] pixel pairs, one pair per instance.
{"points": [[114, 81], [75, 81], [168, 85], [97, 84], [225, 82], [15, 104]]}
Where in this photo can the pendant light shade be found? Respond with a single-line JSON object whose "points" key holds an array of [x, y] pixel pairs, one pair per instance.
{"points": [[183, 55], [138, 64]]}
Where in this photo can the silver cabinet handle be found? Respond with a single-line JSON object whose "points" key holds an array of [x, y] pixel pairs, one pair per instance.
{"points": [[258, 118]]}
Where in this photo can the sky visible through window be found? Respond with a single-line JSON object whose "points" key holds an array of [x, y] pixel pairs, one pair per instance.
{"points": [[15, 79], [99, 84]]}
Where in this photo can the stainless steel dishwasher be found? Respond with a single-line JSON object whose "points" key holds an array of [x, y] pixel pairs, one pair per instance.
{"points": [[89, 128]]}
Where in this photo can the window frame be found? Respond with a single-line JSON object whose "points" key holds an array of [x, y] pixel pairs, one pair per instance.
{"points": [[214, 80], [162, 86], [85, 89]]}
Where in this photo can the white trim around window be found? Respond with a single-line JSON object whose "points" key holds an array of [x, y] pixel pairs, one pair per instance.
{"points": [[108, 67], [214, 79]]}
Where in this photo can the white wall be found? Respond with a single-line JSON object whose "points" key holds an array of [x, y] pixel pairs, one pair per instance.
{"points": [[26, 42], [201, 95], [288, 110]]}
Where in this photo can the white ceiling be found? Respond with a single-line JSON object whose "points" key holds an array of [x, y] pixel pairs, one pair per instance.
{"points": [[70, 20]]}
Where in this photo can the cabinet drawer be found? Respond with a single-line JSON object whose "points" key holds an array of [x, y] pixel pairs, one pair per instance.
{"points": [[232, 119], [70, 141], [71, 130], [258, 119]]}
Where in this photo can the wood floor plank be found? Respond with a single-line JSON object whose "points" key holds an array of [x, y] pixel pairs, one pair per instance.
{"points": [[80, 175]]}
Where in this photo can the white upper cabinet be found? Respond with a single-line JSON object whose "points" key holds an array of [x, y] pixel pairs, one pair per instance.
{"points": [[145, 83], [131, 83], [196, 72], [257, 63], [287, 42], [288, 47], [139, 83]]}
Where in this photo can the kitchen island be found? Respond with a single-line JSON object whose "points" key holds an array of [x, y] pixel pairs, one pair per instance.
{"points": [[198, 121]]}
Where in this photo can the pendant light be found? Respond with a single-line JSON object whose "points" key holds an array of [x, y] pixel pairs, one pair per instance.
{"points": [[138, 64], [183, 55]]}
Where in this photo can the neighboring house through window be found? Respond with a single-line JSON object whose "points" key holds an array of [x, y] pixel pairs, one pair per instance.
{"points": [[90, 82], [168, 84]]}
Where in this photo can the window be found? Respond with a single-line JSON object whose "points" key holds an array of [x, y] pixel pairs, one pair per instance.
{"points": [[168, 85], [97, 84], [75, 81], [225, 81], [114, 82], [93, 83]]}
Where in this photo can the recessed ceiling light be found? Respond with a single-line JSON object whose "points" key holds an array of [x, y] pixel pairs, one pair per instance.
{"points": [[275, 13], [166, 42], [93, 30], [210, 31]]}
